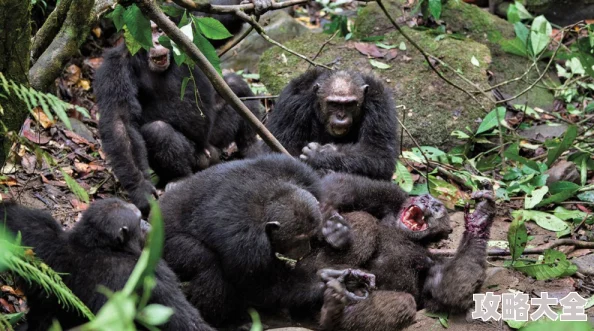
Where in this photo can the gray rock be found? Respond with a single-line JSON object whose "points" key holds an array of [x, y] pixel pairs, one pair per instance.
{"points": [[544, 132], [585, 264], [279, 25], [82, 130], [563, 171]]}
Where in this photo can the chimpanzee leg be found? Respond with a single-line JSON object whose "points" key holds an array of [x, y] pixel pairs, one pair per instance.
{"points": [[170, 154]]}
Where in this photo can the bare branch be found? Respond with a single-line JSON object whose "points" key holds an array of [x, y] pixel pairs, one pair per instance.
{"points": [[226, 48], [48, 31], [155, 14], [205, 7], [527, 251]]}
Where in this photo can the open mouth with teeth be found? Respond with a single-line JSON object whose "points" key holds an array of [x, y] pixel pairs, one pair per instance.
{"points": [[160, 60], [413, 218]]}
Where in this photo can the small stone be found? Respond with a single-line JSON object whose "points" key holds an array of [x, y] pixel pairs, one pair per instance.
{"points": [[563, 171]]}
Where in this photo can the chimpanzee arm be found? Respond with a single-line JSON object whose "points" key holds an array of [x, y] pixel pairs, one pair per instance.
{"points": [[345, 193], [449, 286], [374, 154], [116, 89]]}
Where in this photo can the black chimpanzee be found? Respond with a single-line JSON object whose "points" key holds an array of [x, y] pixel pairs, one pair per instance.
{"points": [[342, 121], [101, 250], [143, 122]]}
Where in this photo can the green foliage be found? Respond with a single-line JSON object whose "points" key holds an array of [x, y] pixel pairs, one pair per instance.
{"points": [[21, 261], [47, 102], [338, 21], [80, 192], [517, 236], [256, 323], [403, 177]]}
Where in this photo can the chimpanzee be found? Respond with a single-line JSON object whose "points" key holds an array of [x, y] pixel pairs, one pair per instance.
{"points": [[143, 122], [406, 274], [101, 250], [226, 225], [340, 121]]}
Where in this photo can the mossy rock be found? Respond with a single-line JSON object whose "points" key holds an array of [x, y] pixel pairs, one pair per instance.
{"points": [[480, 26], [432, 108]]}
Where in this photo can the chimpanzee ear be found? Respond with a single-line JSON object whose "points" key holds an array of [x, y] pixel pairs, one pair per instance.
{"points": [[364, 88], [124, 235], [316, 87], [272, 226]]}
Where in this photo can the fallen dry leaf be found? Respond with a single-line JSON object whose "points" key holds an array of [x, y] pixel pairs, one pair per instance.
{"points": [[391, 54], [41, 118], [369, 50], [28, 162], [8, 181], [77, 138], [7, 289], [7, 307], [97, 31], [84, 84], [40, 138], [78, 205], [72, 74], [85, 168]]}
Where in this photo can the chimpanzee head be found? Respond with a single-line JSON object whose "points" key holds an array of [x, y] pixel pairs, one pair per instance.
{"points": [[111, 224], [424, 219], [340, 96], [158, 55], [292, 218]]}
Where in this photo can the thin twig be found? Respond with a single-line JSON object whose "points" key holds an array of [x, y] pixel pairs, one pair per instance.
{"points": [[527, 251], [324, 45], [226, 48], [150, 9], [206, 7], [419, 147], [247, 18], [259, 97]]}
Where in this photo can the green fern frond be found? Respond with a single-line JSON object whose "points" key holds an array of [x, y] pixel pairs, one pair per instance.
{"points": [[35, 271], [35, 98], [4, 324]]}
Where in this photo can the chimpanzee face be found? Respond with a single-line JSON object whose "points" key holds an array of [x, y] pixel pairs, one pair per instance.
{"points": [[340, 97], [424, 218], [158, 56]]}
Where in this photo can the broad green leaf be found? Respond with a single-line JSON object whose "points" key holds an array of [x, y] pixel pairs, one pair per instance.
{"points": [[490, 120], [576, 66], [435, 8], [459, 134], [522, 11], [117, 314], [211, 28], [256, 323], [540, 33], [514, 46], [566, 214], [515, 324], [409, 155], [139, 26], [432, 153], [512, 153], [587, 196], [131, 43], [402, 46], [565, 144], [379, 65], [183, 87], [172, 11], [403, 177], [442, 317], [155, 314], [75, 188], [535, 197], [419, 189], [474, 61], [557, 326], [560, 187], [117, 16], [444, 191], [521, 32], [589, 303], [208, 50], [554, 265], [517, 236], [384, 46], [544, 220], [560, 191]]}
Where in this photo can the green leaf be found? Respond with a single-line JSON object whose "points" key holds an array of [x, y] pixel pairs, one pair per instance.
{"points": [[565, 144], [566, 214], [490, 120], [554, 265], [403, 177], [557, 326], [589, 303], [379, 65], [512, 153], [474, 61], [560, 187], [155, 314], [131, 43], [459, 134], [540, 33], [117, 314], [444, 191], [211, 28], [208, 50], [432, 153], [514, 46], [75, 188], [517, 236], [139, 26], [587, 196], [172, 11], [183, 87], [544, 220], [117, 16], [443, 318], [535, 197], [256, 323], [435, 8], [521, 32], [515, 324], [384, 46], [402, 46]]}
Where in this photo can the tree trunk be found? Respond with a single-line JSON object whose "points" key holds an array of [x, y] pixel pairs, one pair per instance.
{"points": [[15, 44]]}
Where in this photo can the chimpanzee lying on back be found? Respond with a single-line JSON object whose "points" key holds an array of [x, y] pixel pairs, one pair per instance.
{"points": [[101, 250], [143, 122], [338, 121]]}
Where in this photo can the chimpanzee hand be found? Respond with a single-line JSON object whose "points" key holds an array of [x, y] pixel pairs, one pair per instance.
{"points": [[355, 284], [140, 196], [337, 232], [313, 150], [481, 219], [260, 6]]}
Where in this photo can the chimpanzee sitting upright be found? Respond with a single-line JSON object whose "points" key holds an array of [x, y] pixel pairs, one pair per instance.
{"points": [[143, 122], [342, 121]]}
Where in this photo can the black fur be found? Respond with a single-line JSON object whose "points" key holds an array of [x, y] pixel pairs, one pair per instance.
{"points": [[144, 123], [218, 236], [94, 253], [369, 149]]}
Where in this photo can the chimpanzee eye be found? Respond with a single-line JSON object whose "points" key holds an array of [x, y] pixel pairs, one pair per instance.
{"points": [[159, 30]]}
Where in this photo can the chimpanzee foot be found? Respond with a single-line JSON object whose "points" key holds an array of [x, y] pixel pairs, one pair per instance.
{"points": [[337, 232]]}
